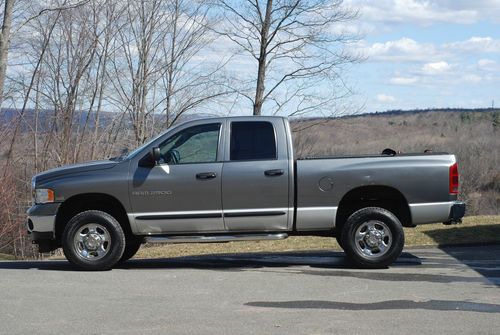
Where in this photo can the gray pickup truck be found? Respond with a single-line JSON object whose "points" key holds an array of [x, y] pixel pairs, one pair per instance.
{"points": [[234, 179]]}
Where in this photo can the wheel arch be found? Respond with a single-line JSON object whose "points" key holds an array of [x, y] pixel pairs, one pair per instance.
{"points": [[91, 201], [386, 197]]}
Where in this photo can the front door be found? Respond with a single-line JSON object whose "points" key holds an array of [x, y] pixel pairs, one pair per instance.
{"points": [[183, 193], [255, 178]]}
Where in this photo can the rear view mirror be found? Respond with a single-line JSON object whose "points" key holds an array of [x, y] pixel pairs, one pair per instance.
{"points": [[155, 155], [152, 158]]}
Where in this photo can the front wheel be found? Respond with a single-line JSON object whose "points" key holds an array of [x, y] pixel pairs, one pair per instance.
{"points": [[338, 237], [93, 240], [131, 247], [373, 237]]}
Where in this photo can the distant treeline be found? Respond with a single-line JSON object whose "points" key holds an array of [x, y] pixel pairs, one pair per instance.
{"points": [[392, 112], [8, 115], [428, 110], [27, 119]]}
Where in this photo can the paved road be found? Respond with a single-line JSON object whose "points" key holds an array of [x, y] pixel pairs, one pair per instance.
{"points": [[428, 291]]}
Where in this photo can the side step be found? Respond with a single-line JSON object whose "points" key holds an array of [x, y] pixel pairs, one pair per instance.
{"points": [[215, 238]]}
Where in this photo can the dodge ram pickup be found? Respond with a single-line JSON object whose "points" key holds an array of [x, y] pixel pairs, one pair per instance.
{"points": [[234, 179]]}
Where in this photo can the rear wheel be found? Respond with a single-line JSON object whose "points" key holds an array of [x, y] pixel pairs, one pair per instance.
{"points": [[93, 240], [373, 237]]}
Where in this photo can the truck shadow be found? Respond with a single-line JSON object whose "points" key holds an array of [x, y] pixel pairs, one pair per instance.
{"points": [[329, 264], [429, 266], [433, 305], [229, 262]]}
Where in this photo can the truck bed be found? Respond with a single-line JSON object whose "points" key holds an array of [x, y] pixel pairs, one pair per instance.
{"points": [[421, 178]]}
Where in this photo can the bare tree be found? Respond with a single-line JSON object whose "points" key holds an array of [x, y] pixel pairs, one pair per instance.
{"points": [[138, 66], [158, 74], [297, 48], [5, 42], [188, 84]]}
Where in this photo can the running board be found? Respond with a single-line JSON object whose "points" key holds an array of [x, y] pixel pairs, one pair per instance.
{"points": [[215, 238]]}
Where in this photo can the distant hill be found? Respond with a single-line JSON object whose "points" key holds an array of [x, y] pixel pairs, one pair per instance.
{"points": [[10, 115], [409, 112], [433, 110]]}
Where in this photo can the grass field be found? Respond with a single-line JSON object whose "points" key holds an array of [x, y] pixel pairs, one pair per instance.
{"points": [[6, 257], [474, 229]]}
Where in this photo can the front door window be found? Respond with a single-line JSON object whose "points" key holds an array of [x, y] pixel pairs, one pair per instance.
{"points": [[196, 144]]}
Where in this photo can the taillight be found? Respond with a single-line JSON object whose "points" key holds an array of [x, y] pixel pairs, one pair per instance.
{"points": [[454, 179]]}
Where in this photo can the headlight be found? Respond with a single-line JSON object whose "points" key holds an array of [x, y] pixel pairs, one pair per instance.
{"points": [[44, 195]]}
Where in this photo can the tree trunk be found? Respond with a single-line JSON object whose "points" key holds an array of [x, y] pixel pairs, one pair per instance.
{"points": [[4, 43], [261, 74]]}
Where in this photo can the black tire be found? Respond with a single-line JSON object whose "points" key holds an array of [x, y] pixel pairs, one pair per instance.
{"points": [[131, 247], [96, 226], [373, 238], [338, 237]]}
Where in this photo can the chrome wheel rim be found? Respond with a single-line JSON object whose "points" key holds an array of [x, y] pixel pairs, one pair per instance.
{"points": [[373, 239], [92, 241]]}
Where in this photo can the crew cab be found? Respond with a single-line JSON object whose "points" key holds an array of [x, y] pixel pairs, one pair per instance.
{"points": [[236, 178]]}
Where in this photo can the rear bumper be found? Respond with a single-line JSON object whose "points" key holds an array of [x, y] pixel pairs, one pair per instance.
{"points": [[433, 212], [457, 212]]}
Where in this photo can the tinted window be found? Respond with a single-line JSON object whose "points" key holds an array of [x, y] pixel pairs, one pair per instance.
{"points": [[252, 140], [197, 144]]}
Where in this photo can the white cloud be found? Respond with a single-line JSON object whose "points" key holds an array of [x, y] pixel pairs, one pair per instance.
{"points": [[476, 45], [486, 62], [417, 11], [404, 49], [487, 65], [385, 98], [436, 68], [472, 78], [408, 50], [403, 80]]}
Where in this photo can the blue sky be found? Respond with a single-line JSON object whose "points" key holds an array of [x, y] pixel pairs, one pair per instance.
{"points": [[426, 54], [418, 54]]}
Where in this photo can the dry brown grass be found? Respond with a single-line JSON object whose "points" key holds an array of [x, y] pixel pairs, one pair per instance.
{"points": [[4, 257], [477, 229]]}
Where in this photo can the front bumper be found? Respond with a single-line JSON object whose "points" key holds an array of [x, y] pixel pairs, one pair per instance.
{"points": [[41, 221]]}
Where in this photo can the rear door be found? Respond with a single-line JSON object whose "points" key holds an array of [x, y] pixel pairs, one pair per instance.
{"points": [[255, 177]]}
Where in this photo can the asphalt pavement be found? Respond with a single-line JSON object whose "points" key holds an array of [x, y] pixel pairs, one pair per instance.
{"points": [[452, 290]]}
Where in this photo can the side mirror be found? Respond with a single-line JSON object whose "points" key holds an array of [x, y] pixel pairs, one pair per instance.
{"points": [[155, 155], [151, 159]]}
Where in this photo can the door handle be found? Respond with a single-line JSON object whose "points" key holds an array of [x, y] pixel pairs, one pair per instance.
{"points": [[274, 173], [206, 175]]}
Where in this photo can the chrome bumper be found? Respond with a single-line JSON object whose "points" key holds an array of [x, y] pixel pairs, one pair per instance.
{"points": [[433, 212], [41, 224], [41, 220]]}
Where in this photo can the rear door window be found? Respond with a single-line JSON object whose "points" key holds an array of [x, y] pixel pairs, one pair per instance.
{"points": [[252, 140]]}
